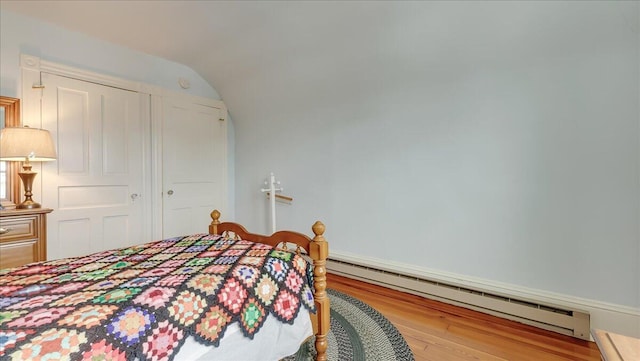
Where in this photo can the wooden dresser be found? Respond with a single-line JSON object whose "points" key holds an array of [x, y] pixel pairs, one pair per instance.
{"points": [[23, 236]]}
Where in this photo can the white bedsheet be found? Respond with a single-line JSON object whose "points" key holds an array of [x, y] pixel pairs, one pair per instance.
{"points": [[273, 341]]}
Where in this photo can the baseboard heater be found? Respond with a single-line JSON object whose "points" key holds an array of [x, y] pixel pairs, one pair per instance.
{"points": [[558, 319]]}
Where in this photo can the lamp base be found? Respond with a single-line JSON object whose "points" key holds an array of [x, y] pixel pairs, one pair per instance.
{"points": [[27, 177], [28, 204]]}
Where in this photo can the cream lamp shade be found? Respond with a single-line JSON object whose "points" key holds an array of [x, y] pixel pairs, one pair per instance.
{"points": [[26, 145], [22, 144]]}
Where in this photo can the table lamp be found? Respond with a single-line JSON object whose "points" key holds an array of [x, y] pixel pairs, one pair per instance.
{"points": [[26, 145]]}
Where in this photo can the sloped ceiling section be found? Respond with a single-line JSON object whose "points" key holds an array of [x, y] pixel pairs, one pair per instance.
{"points": [[268, 56]]}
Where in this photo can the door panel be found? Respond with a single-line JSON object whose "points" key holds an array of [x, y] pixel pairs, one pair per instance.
{"points": [[100, 135], [194, 166], [72, 128]]}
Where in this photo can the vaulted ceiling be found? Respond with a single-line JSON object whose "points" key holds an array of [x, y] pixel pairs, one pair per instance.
{"points": [[272, 55]]}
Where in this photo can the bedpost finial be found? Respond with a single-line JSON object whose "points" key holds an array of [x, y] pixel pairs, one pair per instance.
{"points": [[215, 221], [318, 228], [215, 215]]}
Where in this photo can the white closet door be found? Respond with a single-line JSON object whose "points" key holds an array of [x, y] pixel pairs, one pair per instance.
{"points": [[96, 186], [194, 166]]}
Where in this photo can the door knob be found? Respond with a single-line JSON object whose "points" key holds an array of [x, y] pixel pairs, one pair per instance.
{"points": [[170, 192], [134, 196]]}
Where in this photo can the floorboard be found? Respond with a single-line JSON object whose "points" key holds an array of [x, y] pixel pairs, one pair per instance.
{"points": [[436, 331]]}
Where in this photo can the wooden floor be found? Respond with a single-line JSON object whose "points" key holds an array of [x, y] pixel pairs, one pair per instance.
{"points": [[441, 332]]}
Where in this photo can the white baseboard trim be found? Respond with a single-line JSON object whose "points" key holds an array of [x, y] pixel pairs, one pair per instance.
{"points": [[607, 316]]}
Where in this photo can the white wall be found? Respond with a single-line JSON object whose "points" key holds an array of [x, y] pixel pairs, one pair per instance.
{"points": [[493, 140]]}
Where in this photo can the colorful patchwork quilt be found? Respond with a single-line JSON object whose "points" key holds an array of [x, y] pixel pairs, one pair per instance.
{"points": [[143, 301]]}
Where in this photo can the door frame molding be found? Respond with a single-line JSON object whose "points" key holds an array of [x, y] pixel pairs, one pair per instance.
{"points": [[31, 94], [34, 63]]}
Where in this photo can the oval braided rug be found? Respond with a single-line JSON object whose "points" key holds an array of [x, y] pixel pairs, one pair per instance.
{"points": [[358, 332]]}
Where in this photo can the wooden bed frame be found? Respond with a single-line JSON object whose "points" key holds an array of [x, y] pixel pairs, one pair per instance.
{"points": [[316, 248]]}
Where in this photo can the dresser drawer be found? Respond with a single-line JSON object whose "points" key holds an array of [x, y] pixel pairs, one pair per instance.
{"points": [[19, 253], [23, 236], [18, 228]]}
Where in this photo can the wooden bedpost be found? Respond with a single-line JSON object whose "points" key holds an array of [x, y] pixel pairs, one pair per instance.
{"points": [[215, 221], [319, 251]]}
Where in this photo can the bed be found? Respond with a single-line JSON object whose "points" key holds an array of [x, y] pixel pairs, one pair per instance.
{"points": [[223, 295]]}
